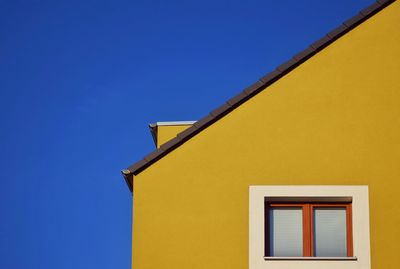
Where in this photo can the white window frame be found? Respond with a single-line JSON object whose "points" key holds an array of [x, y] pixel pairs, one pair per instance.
{"points": [[360, 213]]}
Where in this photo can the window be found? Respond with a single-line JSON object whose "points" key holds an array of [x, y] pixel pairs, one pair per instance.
{"points": [[308, 229], [309, 226]]}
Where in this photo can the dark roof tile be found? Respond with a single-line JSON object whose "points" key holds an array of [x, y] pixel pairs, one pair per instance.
{"points": [[385, 2], [154, 155], [188, 132], [237, 99], [287, 65], [354, 21], [271, 77], [321, 43], [339, 31], [371, 9], [167, 146], [305, 54], [254, 88], [220, 110], [136, 166], [204, 121]]}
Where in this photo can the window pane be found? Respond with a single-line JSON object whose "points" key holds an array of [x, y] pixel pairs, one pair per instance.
{"points": [[286, 232], [330, 232]]}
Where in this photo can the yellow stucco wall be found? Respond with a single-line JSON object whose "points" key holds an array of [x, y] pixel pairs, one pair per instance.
{"points": [[167, 132], [333, 120]]}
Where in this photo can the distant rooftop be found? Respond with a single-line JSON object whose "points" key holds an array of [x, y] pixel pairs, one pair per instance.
{"points": [[166, 123], [154, 131]]}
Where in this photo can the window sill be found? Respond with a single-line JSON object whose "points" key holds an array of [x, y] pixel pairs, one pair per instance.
{"points": [[310, 258]]}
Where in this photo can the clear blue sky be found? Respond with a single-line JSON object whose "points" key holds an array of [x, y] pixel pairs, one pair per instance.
{"points": [[80, 81]]}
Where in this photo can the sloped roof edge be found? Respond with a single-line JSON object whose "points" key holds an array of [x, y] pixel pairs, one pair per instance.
{"points": [[254, 89]]}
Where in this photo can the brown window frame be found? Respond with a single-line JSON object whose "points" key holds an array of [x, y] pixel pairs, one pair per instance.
{"points": [[308, 235]]}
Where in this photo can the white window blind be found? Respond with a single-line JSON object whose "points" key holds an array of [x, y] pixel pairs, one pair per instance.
{"points": [[330, 232], [286, 232]]}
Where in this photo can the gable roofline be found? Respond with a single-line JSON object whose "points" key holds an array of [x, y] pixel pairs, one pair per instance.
{"points": [[254, 89]]}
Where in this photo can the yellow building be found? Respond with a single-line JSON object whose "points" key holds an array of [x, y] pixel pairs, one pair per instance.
{"points": [[300, 170]]}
